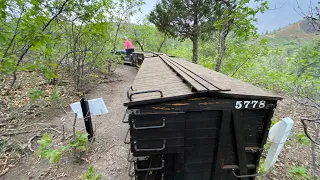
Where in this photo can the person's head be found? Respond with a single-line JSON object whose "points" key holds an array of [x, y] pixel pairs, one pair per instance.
{"points": [[125, 38]]}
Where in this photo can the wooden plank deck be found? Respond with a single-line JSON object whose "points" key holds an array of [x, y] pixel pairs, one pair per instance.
{"points": [[191, 81], [154, 74], [176, 77], [199, 80], [238, 88]]}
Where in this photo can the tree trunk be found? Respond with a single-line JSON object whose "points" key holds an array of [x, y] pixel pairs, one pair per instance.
{"points": [[222, 45], [115, 37], [223, 36], [195, 41], [195, 50], [163, 41], [140, 45]]}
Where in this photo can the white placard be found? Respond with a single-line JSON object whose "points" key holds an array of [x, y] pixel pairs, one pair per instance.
{"points": [[96, 106], [278, 135]]}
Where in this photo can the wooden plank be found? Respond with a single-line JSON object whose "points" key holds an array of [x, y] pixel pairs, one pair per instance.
{"points": [[156, 80], [173, 82], [198, 70], [222, 146], [179, 167], [156, 95], [165, 90], [225, 82], [241, 153], [197, 86], [158, 76], [194, 76], [162, 88], [154, 74]]}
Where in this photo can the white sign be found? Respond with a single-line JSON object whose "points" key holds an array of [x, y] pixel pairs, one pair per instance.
{"points": [[96, 106], [278, 135]]}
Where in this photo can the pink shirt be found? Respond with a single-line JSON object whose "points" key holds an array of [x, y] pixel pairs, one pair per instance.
{"points": [[127, 44]]}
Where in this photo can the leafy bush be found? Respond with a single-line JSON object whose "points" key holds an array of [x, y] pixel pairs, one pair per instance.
{"points": [[303, 139], [35, 94], [54, 155], [80, 141], [91, 174], [299, 172], [55, 97]]}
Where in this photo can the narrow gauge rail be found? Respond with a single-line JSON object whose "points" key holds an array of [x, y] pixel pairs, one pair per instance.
{"points": [[191, 123]]}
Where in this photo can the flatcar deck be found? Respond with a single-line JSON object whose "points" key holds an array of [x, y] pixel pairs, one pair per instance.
{"points": [[177, 78]]}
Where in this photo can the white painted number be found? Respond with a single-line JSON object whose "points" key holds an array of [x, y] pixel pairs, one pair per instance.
{"points": [[246, 104], [254, 102], [262, 104], [238, 104]]}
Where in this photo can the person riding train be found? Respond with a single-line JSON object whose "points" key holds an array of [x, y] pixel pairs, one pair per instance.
{"points": [[128, 48]]}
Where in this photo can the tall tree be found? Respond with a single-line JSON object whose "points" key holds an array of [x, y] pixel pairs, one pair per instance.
{"points": [[235, 16], [183, 19], [121, 11], [146, 36]]}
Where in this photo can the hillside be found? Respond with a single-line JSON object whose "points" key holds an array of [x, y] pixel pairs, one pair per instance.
{"points": [[300, 29]]}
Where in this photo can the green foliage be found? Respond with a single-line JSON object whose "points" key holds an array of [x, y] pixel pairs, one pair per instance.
{"points": [[303, 139], [261, 169], [267, 146], [146, 37], [274, 121], [184, 19], [35, 94], [50, 36], [299, 172], [54, 155], [181, 18], [91, 174], [55, 96], [80, 141]]}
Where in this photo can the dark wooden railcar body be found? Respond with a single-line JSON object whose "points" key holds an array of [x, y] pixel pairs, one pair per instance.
{"points": [[190, 123]]}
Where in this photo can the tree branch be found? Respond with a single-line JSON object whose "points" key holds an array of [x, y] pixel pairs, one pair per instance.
{"points": [[30, 45], [13, 37]]}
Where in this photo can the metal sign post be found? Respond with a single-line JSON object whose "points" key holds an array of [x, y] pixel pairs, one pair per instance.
{"points": [[87, 118], [87, 108]]}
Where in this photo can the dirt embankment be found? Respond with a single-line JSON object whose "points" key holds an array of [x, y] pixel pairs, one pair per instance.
{"points": [[107, 154]]}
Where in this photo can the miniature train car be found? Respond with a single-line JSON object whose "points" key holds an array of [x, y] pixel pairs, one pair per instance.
{"points": [[136, 58], [191, 123]]}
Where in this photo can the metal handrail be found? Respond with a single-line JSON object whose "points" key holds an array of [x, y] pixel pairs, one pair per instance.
{"points": [[144, 92], [149, 127], [150, 169], [147, 150]]}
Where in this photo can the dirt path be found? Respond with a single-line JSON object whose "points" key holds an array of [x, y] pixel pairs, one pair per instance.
{"points": [[107, 154]]}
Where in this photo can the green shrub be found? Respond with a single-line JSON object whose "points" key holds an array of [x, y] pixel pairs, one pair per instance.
{"points": [[298, 172], [35, 94], [91, 174]]}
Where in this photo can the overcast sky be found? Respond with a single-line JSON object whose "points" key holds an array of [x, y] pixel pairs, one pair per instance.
{"points": [[283, 13]]}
